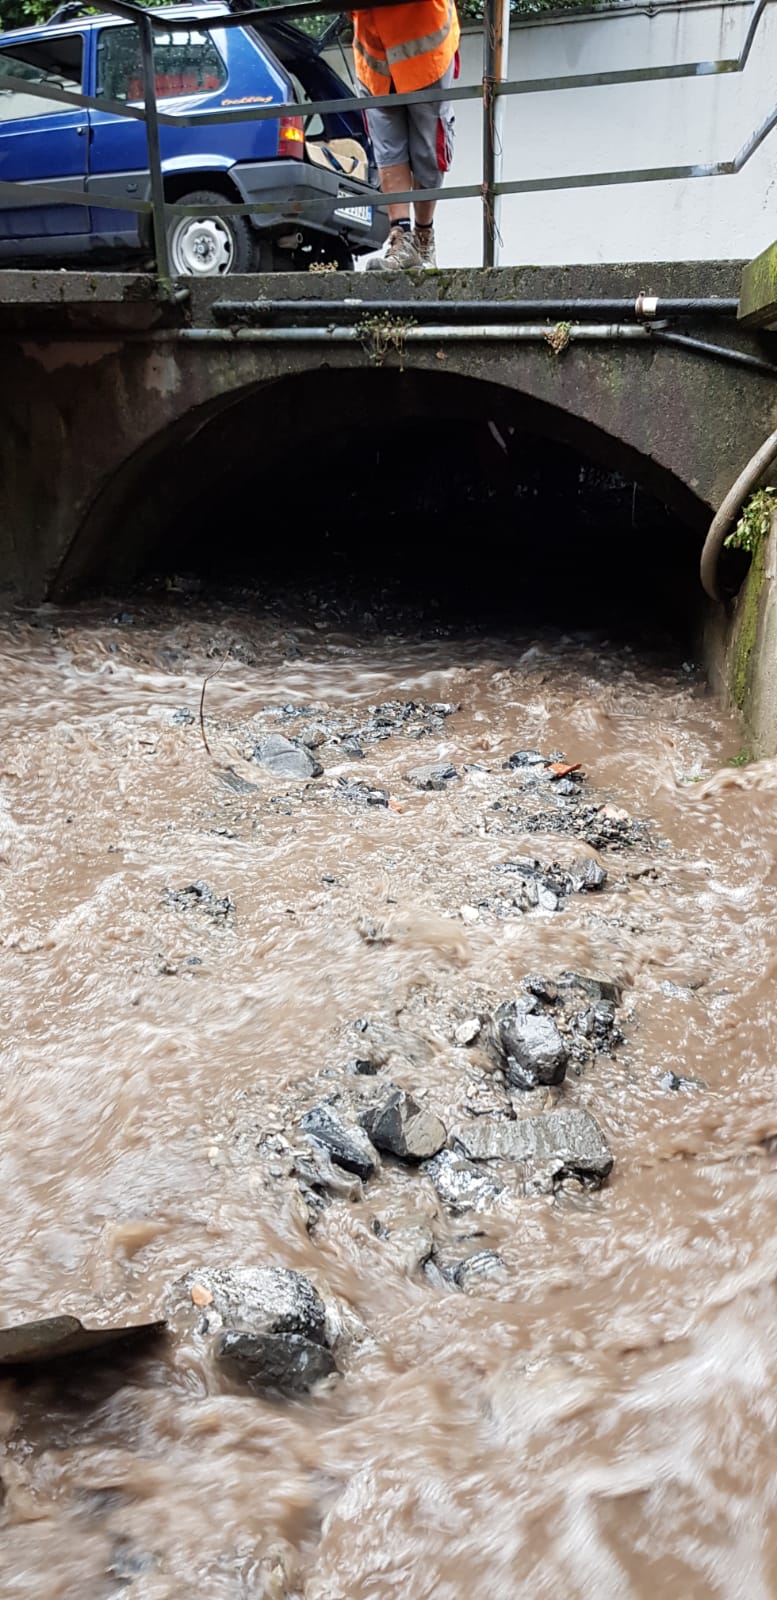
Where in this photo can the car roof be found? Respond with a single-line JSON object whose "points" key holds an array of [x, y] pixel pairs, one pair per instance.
{"points": [[189, 13]]}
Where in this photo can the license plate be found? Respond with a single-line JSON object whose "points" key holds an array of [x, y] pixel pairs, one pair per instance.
{"points": [[361, 215]]}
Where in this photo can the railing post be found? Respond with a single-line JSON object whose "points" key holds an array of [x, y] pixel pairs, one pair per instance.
{"points": [[154, 150], [496, 43]]}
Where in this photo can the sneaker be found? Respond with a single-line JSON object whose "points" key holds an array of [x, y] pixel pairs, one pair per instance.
{"points": [[399, 254], [424, 243]]}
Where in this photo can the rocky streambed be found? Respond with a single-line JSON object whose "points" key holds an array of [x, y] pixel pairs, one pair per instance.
{"points": [[387, 1012]]}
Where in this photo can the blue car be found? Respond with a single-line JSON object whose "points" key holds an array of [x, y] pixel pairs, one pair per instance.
{"points": [[278, 163]]}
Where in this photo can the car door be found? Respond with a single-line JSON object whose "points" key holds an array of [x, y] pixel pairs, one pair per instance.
{"points": [[42, 139], [190, 70]]}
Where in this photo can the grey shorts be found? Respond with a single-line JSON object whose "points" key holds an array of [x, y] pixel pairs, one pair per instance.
{"points": [[419, 135]]}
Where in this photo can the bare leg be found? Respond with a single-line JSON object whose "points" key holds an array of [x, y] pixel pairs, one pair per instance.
{"points": [[424, 212], [395, 180]]}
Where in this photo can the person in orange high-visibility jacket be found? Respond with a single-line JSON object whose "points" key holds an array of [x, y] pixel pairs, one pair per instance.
{"points": [[398, 49]]}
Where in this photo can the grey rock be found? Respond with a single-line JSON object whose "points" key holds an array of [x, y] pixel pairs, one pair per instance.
{"points": [[675, 1082], [263, 1300], [399, 1125], [350, 747], [435, 1276], [282, 1363], [586, 874], [571, 1142], [542, 989], [533, 1048], [233, 780], [347, 1143], [594, 989], [285, 759], [361, 793], [52, 1338], [183, 717], [485, 1266], [200, 896], [526, 758], [436, 776], [467, 1032], [460, 1184], [316, 1171], [410, 1244], [359, 1067], [597, 1024]]}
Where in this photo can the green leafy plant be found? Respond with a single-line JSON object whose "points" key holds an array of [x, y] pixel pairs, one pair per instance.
{"points": [[754, 524], [382, 333]]}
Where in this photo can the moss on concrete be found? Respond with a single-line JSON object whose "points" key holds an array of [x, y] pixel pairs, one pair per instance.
{"points": [[758, 292], [747, 623]]}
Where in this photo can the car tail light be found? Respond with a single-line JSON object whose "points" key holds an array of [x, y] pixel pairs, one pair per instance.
{"points": [[291, 137]]}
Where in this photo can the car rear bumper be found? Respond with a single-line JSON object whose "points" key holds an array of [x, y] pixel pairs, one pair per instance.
{"points": [[296, 194]]}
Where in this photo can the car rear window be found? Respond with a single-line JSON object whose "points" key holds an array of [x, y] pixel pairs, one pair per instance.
{"points": [[50, 60], [186, 60]]}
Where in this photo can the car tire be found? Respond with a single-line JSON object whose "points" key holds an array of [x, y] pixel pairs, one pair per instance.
{"points": [[209, 246]]}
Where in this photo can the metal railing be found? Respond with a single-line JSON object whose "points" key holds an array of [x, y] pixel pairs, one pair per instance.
{"points": [[493, 90]]}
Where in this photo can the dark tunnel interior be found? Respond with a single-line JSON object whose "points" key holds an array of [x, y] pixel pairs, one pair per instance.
{"points": [[471, 513]]}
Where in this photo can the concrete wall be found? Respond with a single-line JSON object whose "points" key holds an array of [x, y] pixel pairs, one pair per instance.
{"points": [[655, 124], [740, 649]]}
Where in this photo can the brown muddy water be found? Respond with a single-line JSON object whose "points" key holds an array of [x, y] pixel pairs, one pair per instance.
{"points": [[592, 1413]]}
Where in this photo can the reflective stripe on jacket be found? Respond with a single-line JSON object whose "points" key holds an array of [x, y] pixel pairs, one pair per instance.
{"points": [[408, 46]]}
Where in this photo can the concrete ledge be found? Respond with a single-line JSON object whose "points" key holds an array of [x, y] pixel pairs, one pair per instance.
{"points": [[83, 301], [758, 293], [97, 302]]}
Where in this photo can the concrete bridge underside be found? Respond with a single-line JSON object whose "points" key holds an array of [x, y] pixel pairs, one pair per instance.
{"points": [[110, 429]]}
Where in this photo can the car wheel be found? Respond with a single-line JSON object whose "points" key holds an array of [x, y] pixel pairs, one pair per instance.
{"points": [[209, 246]]}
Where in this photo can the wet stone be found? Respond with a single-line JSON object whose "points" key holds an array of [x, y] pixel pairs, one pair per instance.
{"points": [[200, 897], [410, 1244], [525, 758], [285, 759], [285, 1363], [569, 1142], [542, 988], [675, 1082], [532, 1046], [595, 989], [403, 1128], [467, 1032], [233, 780], [484, 1267], [437, 776], [262, 1300], [547, 887], [361, 793], [586, 875], [347, 1142], [460, 1184], [317, 1172], [359, 1067]]}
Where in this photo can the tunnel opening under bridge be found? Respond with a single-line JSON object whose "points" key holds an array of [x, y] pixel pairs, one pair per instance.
{"points": [[451, 495]]}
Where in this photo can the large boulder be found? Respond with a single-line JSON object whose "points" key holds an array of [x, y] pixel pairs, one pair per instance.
{"points": [[568, 1142], [406, 1130], [347, 1143], [533, 1049]]}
